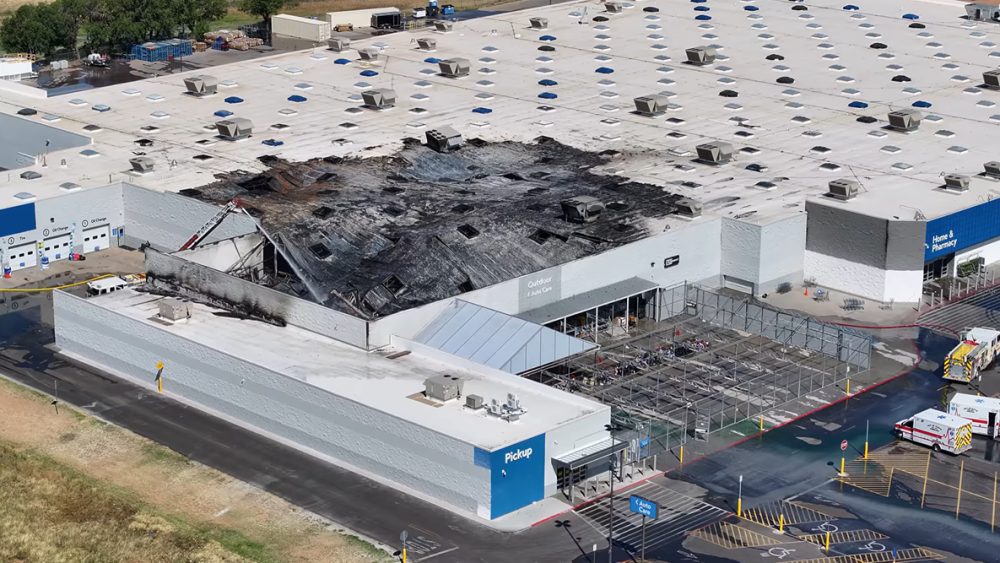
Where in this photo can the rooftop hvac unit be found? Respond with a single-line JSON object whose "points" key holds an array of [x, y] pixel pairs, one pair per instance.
{"points": [[651, 105], [474, 402], [844, 189], [339, 44], [427, 44], [443, 387], [141, 164], [175, 309], [715, 153], [982, 11], [688, 208], [368, 54], [442, 26], [957, 182], [379, 98], [992, 78], [992, 169], [539, 23], [905, 119], [444, 139], [201, 86], [454, 68], [582, 209], [234, 129], [613, 7], [701, 55]]}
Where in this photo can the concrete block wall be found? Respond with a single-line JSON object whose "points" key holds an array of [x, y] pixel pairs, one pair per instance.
{"points": [[374, 441], [166, 269], [167, 220], [782, 252]]}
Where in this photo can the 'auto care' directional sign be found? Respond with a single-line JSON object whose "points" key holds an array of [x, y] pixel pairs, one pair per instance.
{"points": [[642, 506]]}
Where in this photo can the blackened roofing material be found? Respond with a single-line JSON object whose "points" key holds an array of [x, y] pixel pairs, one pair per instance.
{"points": [[421, 235]]}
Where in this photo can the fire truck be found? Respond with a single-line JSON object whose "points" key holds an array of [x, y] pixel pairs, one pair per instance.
{"points": [[973, 354], [939, 430]]}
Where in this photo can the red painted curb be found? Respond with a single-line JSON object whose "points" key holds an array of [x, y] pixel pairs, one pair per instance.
{"points": [[757, 435]]}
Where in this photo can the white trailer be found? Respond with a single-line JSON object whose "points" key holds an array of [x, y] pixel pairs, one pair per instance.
{"points": [[302, 28], [984, 412], [357, 18], [939, 430]]}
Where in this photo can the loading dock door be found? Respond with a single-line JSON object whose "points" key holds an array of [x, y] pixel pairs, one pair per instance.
{"points": [[23, 256], [97, 238], [58, 248], [737, 284]]}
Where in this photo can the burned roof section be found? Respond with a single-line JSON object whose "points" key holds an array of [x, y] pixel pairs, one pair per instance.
{"points": [[384, 234]]}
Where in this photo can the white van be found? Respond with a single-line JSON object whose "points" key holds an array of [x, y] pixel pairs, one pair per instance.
{"points": [[106, 285], [984, 412], [939, 430]]}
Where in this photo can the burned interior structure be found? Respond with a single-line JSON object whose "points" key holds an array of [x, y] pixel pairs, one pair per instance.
{"points": [[375, 236]]}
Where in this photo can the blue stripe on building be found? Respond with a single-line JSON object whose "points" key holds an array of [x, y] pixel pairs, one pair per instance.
{"points": [[14, 220], [517, 476]]}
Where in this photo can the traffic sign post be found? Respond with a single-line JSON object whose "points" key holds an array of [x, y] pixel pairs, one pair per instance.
{"points": [[647, 509], [402, 537], [159, 376]]}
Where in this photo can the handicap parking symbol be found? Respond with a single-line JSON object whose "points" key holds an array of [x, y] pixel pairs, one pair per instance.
{"points": [[872, 546], [778, 552]]}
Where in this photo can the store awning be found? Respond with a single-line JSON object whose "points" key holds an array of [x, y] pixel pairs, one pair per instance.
{"points": [[595, 452], [498, 340], [589, 300]]}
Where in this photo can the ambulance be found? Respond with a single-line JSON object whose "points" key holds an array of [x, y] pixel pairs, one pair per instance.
{"points": [[984, 412], [972, 355], [939, 430]]}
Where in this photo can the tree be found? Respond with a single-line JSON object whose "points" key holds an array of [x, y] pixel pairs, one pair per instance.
{"points": [[196, 15], [31, 29], [74, 15], [264, 9]]}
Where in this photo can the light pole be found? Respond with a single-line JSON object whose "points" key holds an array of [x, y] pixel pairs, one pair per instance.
{"points": [[612, 428], [739, 500]]}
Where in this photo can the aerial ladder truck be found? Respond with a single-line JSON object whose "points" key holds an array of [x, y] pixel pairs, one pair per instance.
{"points": [[210, 226]]}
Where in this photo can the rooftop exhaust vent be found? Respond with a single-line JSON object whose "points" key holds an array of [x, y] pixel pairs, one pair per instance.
{"points": [[715, 153], [539, 23], [991, 78], [443, 387], [234, 129], [339, 44], [613, 7], [992, 169], [175, 309], [701, 56], [905, 120], [474, 402], [141, 164], [454, 68], [844, 189], [201, 86], [582, 209], [368, 54], [379, 98], [444, 139], [688, 208], [427, 44], [443, 26], [956, 182], [651, 105]]}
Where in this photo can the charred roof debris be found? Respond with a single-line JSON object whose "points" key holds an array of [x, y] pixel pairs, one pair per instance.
{"points": [[384, 234]]}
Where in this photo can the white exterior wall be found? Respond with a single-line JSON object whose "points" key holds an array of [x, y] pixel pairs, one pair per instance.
{"points": [[782, 251], [846, 276], [357, 18], [741, 255], [312, 418], [303, 28], [904, 286]]}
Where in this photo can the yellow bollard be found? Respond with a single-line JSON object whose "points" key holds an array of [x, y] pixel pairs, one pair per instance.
{"points": [[682, 455], [958, 501], [159, 383], [781, 523], [761, 423], [828, 542], [866, 450], [848, 386], [739, 507], [841, 466]]}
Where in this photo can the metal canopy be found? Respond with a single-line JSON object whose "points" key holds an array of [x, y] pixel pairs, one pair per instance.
{"points": [[589, 454], [588, 300], [498, 340]]}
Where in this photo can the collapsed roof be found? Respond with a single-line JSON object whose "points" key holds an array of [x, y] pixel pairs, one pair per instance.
{"points": [[380, 235]]}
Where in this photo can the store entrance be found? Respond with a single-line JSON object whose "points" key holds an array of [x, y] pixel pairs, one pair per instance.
{"points": [[938, 267]]}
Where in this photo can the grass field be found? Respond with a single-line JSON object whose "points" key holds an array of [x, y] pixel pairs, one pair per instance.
{"points": [[77, 490]]}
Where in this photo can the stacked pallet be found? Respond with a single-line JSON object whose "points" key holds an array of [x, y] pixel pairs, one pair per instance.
{"points": [[199, 46], [226, 35]]}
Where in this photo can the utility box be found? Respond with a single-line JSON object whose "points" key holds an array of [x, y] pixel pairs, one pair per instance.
{"points": [[539, 23], [651, 105], [715, 153], [141, 164], [427, 44], [474, 402], [688, 208], [443, 387], [582, 209], [444, 139], [613, 7], [991, 78], [370, 55], [701, 56], [175, 309], [379, 98], [957, 182], [905, 119], [201, 86], [454, 68], [843, 189], [234, 129], [443, 26], [339, 44]]}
